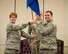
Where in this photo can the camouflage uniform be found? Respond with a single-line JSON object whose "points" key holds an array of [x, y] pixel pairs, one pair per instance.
{"points": [[48, 44], [31, 31], [13, 38]]}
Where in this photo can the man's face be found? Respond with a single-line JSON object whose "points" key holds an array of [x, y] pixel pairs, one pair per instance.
{"points": [[13, 19], [48, 16]]}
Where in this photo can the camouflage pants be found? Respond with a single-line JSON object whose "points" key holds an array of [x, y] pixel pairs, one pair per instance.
{"points": [[11, 51], [46, 51]]}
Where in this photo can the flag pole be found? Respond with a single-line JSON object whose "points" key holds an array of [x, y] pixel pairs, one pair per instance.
{"points": [[35, 38], [32, 15], [14, 5], [43, 9]]}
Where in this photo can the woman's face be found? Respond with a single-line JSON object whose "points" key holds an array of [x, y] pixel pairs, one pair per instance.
{"points": [[13, 19]]}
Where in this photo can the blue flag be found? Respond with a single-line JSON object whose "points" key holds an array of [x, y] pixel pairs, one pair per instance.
{"points": [[34, 5]]}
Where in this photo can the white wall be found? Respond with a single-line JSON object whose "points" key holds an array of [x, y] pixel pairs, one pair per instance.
{"points": [[6, 6], [59, 8]]}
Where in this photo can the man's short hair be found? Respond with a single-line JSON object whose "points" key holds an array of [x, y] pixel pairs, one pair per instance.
{"points": [[49, 12]]}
